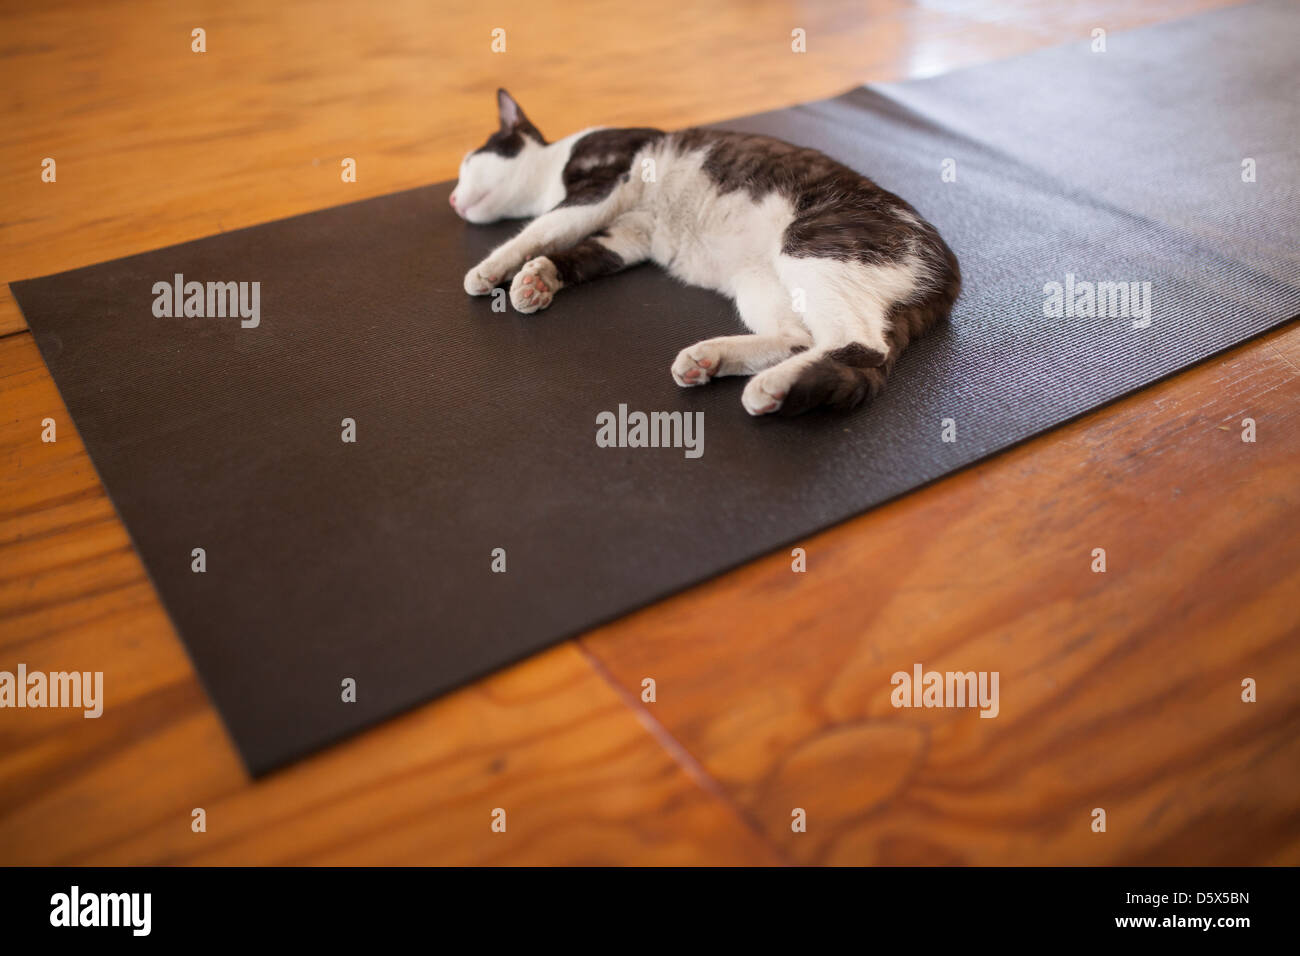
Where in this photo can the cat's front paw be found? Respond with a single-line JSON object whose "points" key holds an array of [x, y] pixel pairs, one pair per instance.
{"points": [[535, 285], [696, 365], [481, 280]]}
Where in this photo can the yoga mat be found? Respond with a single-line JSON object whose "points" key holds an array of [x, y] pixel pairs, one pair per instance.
{"points": [[475, 430]]}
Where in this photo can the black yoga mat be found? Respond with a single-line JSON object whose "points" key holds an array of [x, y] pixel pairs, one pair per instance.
{"points": [[475, 430]]}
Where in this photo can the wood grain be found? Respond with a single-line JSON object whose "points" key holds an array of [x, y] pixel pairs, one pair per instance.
{"points": [[580, 777], [1120, 690]]}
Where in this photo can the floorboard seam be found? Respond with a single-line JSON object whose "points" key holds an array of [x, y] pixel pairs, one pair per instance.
{"points": [[1278, 352], [682, 756]]}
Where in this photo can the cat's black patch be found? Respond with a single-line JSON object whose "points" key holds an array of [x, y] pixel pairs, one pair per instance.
{"points": [[602, 160], [588, 260], [839, 213], [834, 384], [509, 141], [857, 355]]}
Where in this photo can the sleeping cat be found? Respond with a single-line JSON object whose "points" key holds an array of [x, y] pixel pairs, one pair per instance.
{"points": [[833, 274]]}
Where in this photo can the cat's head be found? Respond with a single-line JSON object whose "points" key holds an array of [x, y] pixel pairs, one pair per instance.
{"points": [[495, 180]]}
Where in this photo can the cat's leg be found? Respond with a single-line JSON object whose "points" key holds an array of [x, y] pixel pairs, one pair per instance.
{"points": [[557, 229], [848, 305], [839, 369], [624, 243], [733, 355], [779, 332]]}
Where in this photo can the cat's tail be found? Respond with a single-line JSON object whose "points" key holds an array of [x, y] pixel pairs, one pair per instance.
{"points": [[846, 377]]}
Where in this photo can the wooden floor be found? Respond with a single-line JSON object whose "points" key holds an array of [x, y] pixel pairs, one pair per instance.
{"points": [[1119, 690]]}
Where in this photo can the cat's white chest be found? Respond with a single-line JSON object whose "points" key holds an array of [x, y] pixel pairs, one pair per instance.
{"points": [[705, 238]]}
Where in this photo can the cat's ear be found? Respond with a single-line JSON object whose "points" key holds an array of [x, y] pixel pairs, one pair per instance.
{"points": [[513, 119], [512, 116]]}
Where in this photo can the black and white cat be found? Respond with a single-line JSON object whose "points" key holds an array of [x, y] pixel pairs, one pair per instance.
{"points": [[833, 274]]}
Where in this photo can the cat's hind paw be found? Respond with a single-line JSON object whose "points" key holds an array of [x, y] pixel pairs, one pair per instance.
{"points": [[766, 392], [696, 365], [535, 285]]}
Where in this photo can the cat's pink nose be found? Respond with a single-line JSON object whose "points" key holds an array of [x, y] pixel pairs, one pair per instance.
{"points": [[452, 199]]}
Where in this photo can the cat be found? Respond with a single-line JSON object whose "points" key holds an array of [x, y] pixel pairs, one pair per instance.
{"points": [[834, 275]]}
